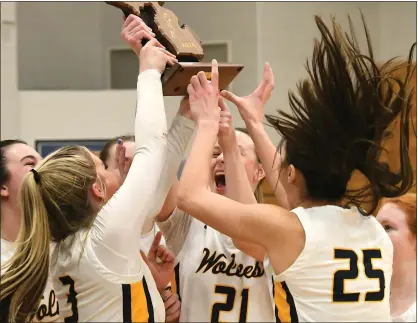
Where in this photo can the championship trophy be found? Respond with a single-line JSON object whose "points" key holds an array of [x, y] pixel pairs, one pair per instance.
{"points": [[180, 41]]}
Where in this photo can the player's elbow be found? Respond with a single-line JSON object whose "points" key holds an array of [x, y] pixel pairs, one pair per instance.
{"points": [[186, 198], [183, 198], [255, 251]]}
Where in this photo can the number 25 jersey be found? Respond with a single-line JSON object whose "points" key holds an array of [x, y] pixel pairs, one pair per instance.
{"points": [[344, 271]]}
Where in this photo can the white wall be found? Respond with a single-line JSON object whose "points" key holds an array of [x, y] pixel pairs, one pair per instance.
{"points": [[67, 46], [398, 28], [80, 114], [60, 45], [286, 40], [278, 32], [10, 122]]}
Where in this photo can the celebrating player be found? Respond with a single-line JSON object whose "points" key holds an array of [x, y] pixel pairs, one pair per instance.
{"points": [[331, 260]]}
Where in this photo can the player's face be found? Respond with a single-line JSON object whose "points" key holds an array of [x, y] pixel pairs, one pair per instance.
{"points": [[394, 221], [20, 159], [110, 180], [112, 164], [248, 156]]}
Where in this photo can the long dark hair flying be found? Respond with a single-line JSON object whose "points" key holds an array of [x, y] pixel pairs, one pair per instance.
{"points": [[340, 116]]}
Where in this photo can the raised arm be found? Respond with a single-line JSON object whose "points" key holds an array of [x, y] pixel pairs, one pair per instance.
{"points": [[238, 186], [266, 225], [251, 109], [179, 136], [115, 237]]}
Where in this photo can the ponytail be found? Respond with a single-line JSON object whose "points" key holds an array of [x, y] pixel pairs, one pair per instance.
{"points": [[30, 262]]}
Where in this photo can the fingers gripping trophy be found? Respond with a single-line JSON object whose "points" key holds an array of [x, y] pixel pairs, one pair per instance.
{"points": [[182, 42]]}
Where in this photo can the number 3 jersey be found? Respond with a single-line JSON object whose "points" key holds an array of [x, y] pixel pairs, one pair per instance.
{"points": [[89, 292], [48, 310], [215, 281], [344, 271]]}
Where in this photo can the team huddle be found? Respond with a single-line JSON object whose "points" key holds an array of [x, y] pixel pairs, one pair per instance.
{"points": [[121, 239]]}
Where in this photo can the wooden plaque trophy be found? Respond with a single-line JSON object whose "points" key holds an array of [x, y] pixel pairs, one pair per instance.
{"points": [[180, 41]]}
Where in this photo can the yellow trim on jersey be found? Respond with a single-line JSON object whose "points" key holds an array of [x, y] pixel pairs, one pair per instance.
{"points": [[174, 284], [280, 300], [139, 305]]}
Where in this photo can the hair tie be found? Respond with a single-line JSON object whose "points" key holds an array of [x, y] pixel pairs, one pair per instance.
{"points": [[36, 175]]}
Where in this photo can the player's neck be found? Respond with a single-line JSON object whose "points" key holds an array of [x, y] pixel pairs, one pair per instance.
{"points": [[10, 222], [308, 203], [403, 289]]}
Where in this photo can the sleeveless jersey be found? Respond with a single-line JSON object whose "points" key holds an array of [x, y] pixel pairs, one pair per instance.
{"points": [[87, 291], [48, 310], [216, 282], [343, 272]]}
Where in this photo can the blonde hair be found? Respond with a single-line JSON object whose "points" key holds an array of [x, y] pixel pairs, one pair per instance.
{"points": [[55, 205]]}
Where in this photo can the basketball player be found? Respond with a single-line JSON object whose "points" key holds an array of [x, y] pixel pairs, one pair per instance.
{"points": [[95, 265], [214, 278], [398, 216], [16, 159], [117, 156], [334, 263]]}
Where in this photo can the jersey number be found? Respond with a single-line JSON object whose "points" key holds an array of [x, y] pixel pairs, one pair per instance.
{"points": [[71, 299], [352, 273], [230, 294]]}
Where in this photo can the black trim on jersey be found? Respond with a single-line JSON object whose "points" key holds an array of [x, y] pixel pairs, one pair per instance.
{"points": [[151, 318], [276, 310], [289, 298], [126, 303], [177, 278]]}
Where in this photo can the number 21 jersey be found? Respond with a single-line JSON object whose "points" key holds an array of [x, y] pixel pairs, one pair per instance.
{"points": [[215, 281]]}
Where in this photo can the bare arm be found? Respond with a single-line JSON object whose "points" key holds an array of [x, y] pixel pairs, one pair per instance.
{"points": [[251, 109], [238, 186], [265, 225], [170, 203], [241, 191], [267, 152]]}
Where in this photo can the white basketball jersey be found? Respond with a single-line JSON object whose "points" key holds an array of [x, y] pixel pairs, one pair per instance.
{"points": [[86, 292], [344, 271], [215, 281], [48, 310]]}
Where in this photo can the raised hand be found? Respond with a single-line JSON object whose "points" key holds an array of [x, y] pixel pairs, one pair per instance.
{"points": [[226, 134], [154, 56], [123, 164], [251, 107], [134, 30], [203, 96], [184, 109], [162, 269]]}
